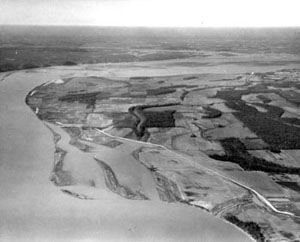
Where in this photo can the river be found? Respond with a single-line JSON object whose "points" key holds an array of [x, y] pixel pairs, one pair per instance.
{"points": [[33, 209]]}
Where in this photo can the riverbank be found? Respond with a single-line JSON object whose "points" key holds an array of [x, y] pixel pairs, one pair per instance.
{"points": [[32, 208], [102, 101]]}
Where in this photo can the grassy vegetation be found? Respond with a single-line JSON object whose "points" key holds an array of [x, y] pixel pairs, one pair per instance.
{"points": [[184, 86], [123, 120], [270, 127], [273, 111], [285, 84], [70, 55], [264, 99], [291, 96], [167, 189], [149, 119], [11, 67], [7, 67], [235, 151], [167, 89], [88, 98], [51, 116], [292, 185], [140, 78], [73, 131], [164, 119], [190, 78], [29, 66], [69, 63], [288, 235], [183, 95], [161, 91], [59, 176], [190, 194], [250, 227], [211, 113], [113, 184], [165, 55], [230, 94], [293, 121]]}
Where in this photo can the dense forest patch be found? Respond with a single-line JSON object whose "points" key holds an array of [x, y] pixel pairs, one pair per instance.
{"points": [[251, 227], [279, 133], [235, 151]]}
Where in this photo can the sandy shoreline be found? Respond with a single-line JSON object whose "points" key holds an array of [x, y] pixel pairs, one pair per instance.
{"points": [[33, 209]]}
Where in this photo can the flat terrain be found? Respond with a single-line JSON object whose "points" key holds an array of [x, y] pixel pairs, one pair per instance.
{"points": [[34, 209], [27, 47], [186, 134], [193, 138]]}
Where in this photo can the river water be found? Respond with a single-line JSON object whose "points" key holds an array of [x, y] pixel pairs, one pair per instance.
{"points": [[33, 209]]}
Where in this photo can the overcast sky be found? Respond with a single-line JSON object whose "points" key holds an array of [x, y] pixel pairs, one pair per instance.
{"points": [[181, 13]]}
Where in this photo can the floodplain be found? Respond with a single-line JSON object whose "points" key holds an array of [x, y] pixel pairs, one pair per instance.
{"points": [[199, 141], [150, 138]]}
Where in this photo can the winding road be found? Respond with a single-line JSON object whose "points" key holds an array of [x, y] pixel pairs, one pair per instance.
{"points": [[33, 209], [258, 195]]}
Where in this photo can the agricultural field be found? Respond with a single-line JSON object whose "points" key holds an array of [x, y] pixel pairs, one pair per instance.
{"points": [[216, 142]]}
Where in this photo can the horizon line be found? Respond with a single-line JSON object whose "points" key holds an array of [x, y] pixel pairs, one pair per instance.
{"points": [[144, 26]]}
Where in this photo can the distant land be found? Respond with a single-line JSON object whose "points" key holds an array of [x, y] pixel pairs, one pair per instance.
{"points": [[25, 47], [149, 134]]}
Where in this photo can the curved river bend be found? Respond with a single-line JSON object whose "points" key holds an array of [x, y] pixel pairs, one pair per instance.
{"points": [[33, 209]]}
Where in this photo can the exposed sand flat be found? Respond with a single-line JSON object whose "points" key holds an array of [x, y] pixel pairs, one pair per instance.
{"points": [[232, 65], [81, 164], [129, 172], [33, 209]]}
